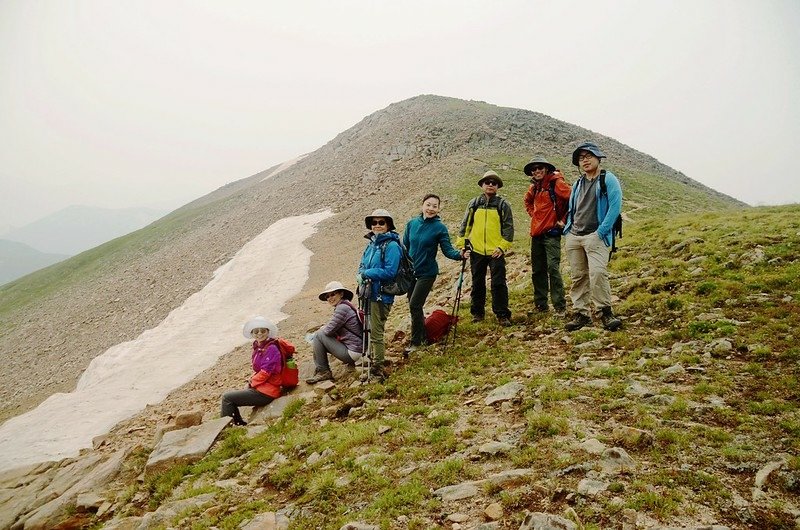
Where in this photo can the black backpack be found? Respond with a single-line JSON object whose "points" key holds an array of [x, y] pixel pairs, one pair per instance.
{"points": [[405, 272]]}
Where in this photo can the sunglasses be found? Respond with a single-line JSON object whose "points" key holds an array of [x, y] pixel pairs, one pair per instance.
{"points": [[491, 182], [259, 331], [330, 295], [379, 222], [537, 168]]}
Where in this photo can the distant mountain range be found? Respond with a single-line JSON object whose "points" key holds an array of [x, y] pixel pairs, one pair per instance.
{"points": [[65, 233], [77, 228], [18, 259]]}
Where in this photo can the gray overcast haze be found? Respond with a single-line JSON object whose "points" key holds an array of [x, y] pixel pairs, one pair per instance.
{"points": [[155, 103]]}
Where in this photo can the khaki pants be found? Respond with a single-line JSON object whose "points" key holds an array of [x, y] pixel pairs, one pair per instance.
{"points": [[378, 314], [588, 263]]}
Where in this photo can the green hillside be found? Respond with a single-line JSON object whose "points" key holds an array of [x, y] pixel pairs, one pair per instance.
{"points": [[710, 305]]}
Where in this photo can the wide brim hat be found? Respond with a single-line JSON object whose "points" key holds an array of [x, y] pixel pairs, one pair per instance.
{"points": [[491, 174], [538, 161], [380, 212], [259, 322], [586, 146], [334, 286]]}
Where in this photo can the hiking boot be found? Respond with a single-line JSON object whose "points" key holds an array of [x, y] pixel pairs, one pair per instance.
{"points": [[505, 321], [407, 351], [375, 373], [610, 322], [319, 376], [560, 312], [541, 308], [578, 322], [477, 318]]}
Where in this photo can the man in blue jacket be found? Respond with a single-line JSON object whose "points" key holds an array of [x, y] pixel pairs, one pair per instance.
{"points": [[594, 204]]}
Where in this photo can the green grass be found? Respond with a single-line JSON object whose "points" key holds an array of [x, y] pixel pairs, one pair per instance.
{"points": [[434, 404]]}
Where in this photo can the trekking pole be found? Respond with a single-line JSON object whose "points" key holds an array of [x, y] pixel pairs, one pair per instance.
{"points": [[363, 302], [456, 306], [457, 303]]}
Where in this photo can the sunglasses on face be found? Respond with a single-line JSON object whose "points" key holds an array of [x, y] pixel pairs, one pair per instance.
{"points": [[259, 331], [378, 222], [537, 168], [330, 295], [491, 182]]}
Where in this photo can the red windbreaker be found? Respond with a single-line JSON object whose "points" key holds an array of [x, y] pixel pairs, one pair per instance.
{"points": [[540, 206]]}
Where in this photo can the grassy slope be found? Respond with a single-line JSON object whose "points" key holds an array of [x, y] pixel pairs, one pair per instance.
{"points": [[694, 460], [81, 269]]}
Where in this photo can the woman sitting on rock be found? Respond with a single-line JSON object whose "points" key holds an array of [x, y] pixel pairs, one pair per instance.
{"points": [[342, 336], [265, 383]]}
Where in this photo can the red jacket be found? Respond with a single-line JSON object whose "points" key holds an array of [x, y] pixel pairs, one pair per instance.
{"points": [[540, 206]]}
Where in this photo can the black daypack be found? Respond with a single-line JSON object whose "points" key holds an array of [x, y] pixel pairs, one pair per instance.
{"points": [[617, 229], [405, 272]]}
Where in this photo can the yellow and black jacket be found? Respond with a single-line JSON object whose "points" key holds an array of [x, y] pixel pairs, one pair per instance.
{"points": [[488, 225]]}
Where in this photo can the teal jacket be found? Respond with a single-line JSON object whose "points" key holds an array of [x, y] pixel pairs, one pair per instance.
{"points": [[380, 262], [422, 238], [609, 205]]}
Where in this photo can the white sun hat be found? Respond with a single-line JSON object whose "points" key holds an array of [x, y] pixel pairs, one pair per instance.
{"points": [[333, 287], [259, 322]]}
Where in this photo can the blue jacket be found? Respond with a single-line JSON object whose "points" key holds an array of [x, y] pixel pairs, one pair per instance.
{"points": [[423, 237], [381, 268], [608, 207]]}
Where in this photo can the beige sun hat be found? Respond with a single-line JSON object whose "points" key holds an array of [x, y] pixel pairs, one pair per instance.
{"points": [[259, 322], [334, 286], [380, 212], [491, 175]]}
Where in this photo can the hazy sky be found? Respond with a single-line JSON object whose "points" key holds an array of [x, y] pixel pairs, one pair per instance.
{"points": [[143, 103]]}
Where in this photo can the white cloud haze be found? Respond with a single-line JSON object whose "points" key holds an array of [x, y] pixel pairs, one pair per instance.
{"points": [[145, 103]]}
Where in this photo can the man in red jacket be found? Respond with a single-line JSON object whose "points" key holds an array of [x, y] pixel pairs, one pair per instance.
{"points": [[546, 202]]}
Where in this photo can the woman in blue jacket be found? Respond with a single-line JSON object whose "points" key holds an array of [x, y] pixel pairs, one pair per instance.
{"points": [[379, 264], [423, 237]]}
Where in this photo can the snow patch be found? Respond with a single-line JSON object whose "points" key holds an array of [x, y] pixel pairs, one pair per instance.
{"points": [[285, 165], [258, 280]]}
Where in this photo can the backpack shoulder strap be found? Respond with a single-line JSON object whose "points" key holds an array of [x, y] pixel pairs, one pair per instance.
{"points": [[354, 308], [552, 191], [286, 348], [603, 188]]}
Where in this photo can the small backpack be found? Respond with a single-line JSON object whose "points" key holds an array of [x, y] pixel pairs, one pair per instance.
{"points": [[405, 272], [290, 374], [437, 325]]}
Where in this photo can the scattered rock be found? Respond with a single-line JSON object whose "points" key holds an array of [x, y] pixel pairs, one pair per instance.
{"points": [[457, 491], [493, 448], [616, 460], [185, 445], [506, 392], [546, 521], [593, 446], [592, 487], [189, 419], [494, 511]]}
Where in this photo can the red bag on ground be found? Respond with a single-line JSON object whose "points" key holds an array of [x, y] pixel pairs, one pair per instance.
{"points": [[437, 325]]}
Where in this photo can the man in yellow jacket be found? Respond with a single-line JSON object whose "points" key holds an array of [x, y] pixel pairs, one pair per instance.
{"points": [[489, 227]]}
